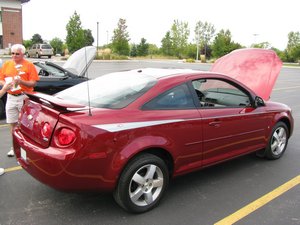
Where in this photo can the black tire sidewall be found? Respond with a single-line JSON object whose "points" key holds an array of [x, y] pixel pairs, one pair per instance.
{"points": [[269, 153], [122, 192]]}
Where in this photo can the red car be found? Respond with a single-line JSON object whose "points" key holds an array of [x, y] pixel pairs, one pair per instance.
{"points": [[130, 132]]}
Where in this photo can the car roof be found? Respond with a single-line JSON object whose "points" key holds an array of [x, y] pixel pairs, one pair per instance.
{"points": [[160, 73]]}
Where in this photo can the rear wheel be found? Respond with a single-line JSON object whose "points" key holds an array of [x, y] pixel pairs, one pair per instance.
{"points": [[142, 183], [278, 141]]}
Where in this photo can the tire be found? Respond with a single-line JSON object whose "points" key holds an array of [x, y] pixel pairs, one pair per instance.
{"points": [[278, 141], [142, 183]]}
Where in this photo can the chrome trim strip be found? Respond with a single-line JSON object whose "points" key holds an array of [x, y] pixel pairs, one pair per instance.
{"points": [[115, 127]]}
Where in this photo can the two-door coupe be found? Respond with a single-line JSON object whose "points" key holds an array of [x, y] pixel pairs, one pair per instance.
{"points": [[130, 132]]}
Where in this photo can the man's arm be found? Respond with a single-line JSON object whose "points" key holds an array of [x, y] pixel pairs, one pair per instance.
{"points": [[5, 88], [30, 83]]}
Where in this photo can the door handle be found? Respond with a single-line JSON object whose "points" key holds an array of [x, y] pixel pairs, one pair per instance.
{"points": [[215, 124]]}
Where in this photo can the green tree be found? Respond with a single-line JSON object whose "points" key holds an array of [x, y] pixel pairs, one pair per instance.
{"points": [[264, 45], [204, 32], [89, 39], [153, 49], [133, 50], [293, 46], [57, 45], [36, 39], [223, 44], [167, 44], [27, 43], [180, 34], [120, 39], [190, 51], [281, 54], [142, 48], [75, 34]]}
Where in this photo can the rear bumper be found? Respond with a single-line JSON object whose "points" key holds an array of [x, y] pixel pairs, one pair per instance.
{"points": [[61, 168]]}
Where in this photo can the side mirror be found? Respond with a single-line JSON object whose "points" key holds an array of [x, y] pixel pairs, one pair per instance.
{"points": [[258, 102]]}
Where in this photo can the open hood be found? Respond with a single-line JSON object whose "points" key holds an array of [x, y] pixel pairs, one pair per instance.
{"points": [[80, 60], [258, 69]]}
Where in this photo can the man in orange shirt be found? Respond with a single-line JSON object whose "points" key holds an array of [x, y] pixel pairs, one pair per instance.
{"points": [[24, 76]]}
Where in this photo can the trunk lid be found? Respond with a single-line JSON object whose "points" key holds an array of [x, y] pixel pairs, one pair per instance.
{"points": [[40, 115]]}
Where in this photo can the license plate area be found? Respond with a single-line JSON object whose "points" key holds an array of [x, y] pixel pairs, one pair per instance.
{"points": [[23, 154]]}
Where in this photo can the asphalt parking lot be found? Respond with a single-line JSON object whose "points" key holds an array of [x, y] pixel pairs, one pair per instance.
{"points": [[244, 191]]}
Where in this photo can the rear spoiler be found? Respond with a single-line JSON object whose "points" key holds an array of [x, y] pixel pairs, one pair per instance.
{"points": [[54, 102]]}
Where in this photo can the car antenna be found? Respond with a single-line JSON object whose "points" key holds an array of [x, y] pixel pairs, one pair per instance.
{"points": [[87, 83]]}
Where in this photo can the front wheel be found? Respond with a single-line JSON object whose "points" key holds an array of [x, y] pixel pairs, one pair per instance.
{"points": [[142, 183], [278, 141]]}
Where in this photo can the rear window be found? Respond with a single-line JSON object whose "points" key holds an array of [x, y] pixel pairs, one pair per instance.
{"points": [[113, 91], [46, 47]]}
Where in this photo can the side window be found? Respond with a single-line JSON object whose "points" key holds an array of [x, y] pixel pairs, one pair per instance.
{"points": [[219, 93], [175, 98]]}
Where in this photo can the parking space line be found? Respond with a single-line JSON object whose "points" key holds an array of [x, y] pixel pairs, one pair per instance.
{"points": [[11, 169], [286, 88], [4, 125], [243, 212]]}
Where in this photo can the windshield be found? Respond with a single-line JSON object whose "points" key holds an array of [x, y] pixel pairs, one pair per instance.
{"points": [[51, 71], [113, 91]]}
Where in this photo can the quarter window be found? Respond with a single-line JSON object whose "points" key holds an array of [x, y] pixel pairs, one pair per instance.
{"points": [[175, 98]]}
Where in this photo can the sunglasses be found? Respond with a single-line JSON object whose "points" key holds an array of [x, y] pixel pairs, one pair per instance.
{"points": [[15, 53]]}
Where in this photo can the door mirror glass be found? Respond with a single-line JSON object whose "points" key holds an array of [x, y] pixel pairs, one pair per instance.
{"points": [[259, 102]]}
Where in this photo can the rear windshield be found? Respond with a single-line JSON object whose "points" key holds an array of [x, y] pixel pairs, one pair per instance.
{"points": [[46, 47], [113, 91]]}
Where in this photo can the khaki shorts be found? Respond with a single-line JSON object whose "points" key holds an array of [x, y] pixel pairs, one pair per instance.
{"points": [[13, 107]]}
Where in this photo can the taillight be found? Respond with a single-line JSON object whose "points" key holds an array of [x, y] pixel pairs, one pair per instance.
{"points": [[46, 131], [65, 136]]}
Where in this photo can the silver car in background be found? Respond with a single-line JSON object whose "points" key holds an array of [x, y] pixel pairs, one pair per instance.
{"points": [[39, 50]]}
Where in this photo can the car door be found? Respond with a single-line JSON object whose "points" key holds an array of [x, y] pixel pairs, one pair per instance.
{"points": [[231, 125], [181, 125]]}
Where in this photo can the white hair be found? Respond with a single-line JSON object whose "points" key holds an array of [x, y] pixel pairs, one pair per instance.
{"points": [[17, 47]]}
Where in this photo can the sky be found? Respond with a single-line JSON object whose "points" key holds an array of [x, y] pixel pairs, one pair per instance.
{"points": [[249, 21]]}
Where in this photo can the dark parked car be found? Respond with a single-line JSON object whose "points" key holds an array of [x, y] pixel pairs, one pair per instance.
{"points": [[134, 130], [55, 78]]}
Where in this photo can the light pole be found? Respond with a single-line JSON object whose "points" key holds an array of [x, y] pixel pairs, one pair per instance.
{"points": [[198, 34], [97, 36], [107, 37], [255, 39]]}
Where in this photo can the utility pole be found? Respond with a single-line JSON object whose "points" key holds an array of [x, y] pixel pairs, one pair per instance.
{"points": [[97, 36], [107, 37], [198, 34]]}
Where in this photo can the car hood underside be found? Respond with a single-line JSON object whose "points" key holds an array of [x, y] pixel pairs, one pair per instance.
{"points": [[258, 69]]}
